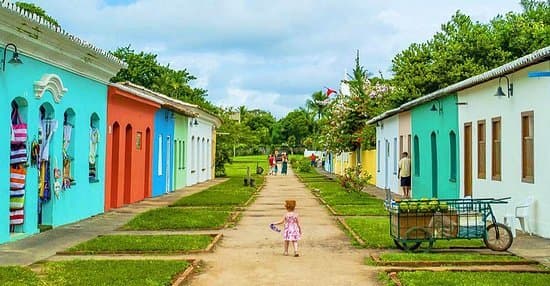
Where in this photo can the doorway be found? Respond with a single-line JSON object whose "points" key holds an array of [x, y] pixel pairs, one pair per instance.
{"points": [[386, 164], [115, 166], [128, 148], [433, 139], [468, 159]]}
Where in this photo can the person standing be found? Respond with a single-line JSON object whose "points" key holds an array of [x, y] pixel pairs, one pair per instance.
{"points": [[271, 161], [405, 174], [284, 165], [313, 159]]}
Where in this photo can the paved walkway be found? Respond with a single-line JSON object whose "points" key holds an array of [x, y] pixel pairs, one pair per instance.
{"points": [[252, 254], [46, 244]]}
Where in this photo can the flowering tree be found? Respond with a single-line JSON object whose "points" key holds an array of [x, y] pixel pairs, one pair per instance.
{"points": [[345, 128]]}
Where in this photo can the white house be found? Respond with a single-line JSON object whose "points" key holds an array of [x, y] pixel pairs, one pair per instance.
{"points": [[201, 136], [387, 156], [503, 138]]}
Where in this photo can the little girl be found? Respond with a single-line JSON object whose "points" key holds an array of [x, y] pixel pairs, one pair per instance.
{"points": [[292, 230]]}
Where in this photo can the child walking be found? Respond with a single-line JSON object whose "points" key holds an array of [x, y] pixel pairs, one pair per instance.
{"points": [[292, 229]]}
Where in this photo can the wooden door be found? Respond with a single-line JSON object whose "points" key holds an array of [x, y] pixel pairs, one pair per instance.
{"points": [[468, 159]]}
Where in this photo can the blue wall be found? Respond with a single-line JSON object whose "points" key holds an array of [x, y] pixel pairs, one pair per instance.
{"points": [[85, 97], [164, 128]]}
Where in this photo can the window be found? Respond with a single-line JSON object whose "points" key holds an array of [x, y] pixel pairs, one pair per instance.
{"points": [[496, 155], [93, 155], [182, 154], [452, 143], [378, 151], [481, 149], [527, 147], [68, 148], [395, 155], [401, 145], [159, 156], [409, 144], [416, 156]]}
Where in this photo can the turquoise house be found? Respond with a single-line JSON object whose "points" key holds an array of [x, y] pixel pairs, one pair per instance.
{"points": [[434, 128], [59, 90]]}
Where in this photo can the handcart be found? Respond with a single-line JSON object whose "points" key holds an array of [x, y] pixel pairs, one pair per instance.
{"points": [[413, 222]]}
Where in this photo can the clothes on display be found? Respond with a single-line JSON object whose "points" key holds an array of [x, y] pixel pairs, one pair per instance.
{"points": [[18, 171], [94, 139], [67, 178]]}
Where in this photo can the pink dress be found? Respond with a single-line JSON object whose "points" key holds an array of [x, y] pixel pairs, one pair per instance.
{"points": [[291, 231]]}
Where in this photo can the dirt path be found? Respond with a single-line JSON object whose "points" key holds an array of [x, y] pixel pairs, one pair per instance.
{"points": [[251, 254]]}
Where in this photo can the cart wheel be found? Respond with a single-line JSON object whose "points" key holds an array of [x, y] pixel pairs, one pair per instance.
{"points": [[407, 246], [504, 240]]}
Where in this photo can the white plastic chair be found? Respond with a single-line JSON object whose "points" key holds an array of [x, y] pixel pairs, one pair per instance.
{"points": [[521, 213]]}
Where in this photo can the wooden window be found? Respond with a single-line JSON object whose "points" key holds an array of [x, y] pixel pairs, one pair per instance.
{"points": [[527, 147], [409, 144], [400, 145], [481, 150], [496, 155], [378, 151], [395, 160], [452, 143], [416, 156]]}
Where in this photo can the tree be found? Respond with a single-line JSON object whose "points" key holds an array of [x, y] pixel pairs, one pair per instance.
{"points": [[32, 8], [144, 69]]}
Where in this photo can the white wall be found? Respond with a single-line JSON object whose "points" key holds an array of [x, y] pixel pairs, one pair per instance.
{"points": [[199, 150], [529, 94], [387, 157]]}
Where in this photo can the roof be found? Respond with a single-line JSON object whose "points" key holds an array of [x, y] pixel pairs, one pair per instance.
{"points": [[513, 66], [179, 106], [138, 93], [35, 37]]}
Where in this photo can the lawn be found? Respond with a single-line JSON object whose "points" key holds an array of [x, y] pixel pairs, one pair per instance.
{"points": [[428, 278], [17, 276], [375, 208], [168, 218], [333, 193], [113, 272], [375, 232], [229, 193], [144, 243]]}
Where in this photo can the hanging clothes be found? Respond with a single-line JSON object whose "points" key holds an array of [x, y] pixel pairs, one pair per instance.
{"points": [[67, 179], [49, 126], [94, 140], [18, 171]]}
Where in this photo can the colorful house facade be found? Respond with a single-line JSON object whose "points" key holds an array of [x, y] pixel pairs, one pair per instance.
{"points": [[131, 121], [56, 171], [201, 148], [387, 155], [503, 138]]}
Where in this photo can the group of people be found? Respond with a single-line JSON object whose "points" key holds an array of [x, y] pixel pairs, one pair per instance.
{"points": [[274, 164]]}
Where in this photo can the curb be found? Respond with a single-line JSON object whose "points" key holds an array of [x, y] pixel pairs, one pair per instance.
{"points": [[379, 262], [355, 236], [181, 278]]}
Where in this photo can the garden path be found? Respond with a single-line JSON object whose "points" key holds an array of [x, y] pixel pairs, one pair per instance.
{"points": [[252, 254]]}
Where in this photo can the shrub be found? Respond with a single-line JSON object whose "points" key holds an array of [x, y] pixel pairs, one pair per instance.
{"points": [[354, 179], [304, 165]]}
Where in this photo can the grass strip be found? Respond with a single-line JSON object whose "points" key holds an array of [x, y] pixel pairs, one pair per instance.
{"points": [[229, 193], [17, 276], [143, 243], [178, 219], [375, 208], [426, 278], [447, 257], [113, 272]]}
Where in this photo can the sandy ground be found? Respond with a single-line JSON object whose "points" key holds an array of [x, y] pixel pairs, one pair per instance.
{"points": [[252, 254]]}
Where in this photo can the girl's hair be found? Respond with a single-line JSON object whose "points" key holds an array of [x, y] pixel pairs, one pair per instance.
{"points": [[290, 205]]}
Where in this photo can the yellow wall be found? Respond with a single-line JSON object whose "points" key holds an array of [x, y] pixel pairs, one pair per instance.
{"points": [[368, 164]]}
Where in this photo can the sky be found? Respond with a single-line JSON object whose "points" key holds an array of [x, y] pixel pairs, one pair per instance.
{"points": [[264, 54]]}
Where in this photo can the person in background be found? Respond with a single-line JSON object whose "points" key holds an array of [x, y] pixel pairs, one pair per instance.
{"points": [[405, 174], [271, 162], [284, 165], [313, 159]]}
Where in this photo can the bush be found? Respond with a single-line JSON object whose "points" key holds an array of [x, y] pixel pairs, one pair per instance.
{"points": [[304, 165], [354, 179], [292, 161]]}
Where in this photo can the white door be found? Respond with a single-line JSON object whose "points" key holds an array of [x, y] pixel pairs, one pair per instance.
{"points": [[168, 161]]}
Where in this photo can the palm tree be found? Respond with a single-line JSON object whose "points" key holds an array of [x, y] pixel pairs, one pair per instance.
{"points": [[317, 103]]}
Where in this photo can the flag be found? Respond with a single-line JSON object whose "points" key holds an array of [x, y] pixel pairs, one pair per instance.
{"points": [[330, 91]]}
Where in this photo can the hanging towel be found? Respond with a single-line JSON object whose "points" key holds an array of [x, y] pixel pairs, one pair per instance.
{"points": [[18, 127], [18, 153], [17, 202], [17, 177], [17, 216], [67, 130], [49, 126]]}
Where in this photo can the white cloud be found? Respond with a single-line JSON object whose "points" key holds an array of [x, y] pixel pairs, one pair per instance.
{"points": [[265, 54]]}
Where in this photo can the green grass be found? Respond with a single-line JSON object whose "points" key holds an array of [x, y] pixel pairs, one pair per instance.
{"points": [[17, 276], [375, 209], [375, 231], [427, 278], [229, 193], [333, 193], [146, 243], [178, 219], [447, 257], [113, 272]]}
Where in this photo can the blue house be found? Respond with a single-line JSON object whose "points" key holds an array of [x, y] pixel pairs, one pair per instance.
{"points": [[56, 85]]}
